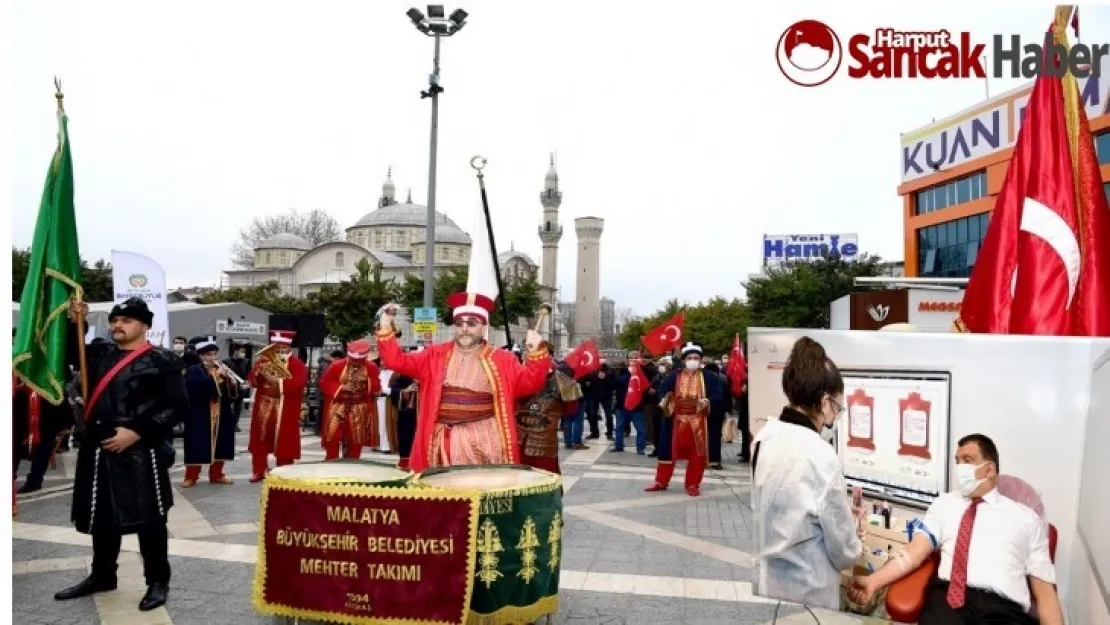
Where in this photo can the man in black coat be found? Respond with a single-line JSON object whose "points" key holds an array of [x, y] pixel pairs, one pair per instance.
{"points": [[122, 484]]}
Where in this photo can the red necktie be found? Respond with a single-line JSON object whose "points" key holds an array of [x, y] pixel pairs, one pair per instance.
{"points": [[957, 585]]}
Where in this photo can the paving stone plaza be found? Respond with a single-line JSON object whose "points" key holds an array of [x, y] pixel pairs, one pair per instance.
{"points": [[628, 556]]}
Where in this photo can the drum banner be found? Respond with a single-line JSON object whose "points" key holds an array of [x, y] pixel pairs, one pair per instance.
{"points": [[519, 545], [365, 555]]}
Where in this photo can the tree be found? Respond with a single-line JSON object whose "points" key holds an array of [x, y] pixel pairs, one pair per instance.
{"points": [[798, 295], [624, 315], [316, 226], [267, 296], [349, 306], [447, 282], [712, 325], [95, 280], [522, 297]]}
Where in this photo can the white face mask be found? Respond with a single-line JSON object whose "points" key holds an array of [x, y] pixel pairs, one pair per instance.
{"points": [[966, 481], [692, 364], [829, 429], [178, 348]]}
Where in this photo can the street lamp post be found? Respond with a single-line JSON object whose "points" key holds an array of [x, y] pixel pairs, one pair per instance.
{"points": [[434, 25]]}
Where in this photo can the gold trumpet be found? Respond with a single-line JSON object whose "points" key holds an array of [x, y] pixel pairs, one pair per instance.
{"points": [[541, 316], [268, 363]]}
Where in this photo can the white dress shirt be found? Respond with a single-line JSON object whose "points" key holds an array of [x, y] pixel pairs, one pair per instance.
{"points": [[1008, 542]]}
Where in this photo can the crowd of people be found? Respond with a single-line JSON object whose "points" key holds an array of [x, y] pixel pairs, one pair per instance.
{"points": [[463, 402]]}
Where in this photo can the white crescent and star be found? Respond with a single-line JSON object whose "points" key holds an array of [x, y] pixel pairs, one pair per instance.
{"points": [[1046, 224], [587, 359], [677, 333]]}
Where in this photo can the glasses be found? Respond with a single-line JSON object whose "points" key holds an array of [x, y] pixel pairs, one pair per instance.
{"points": [[839, 408], [467, 323]]}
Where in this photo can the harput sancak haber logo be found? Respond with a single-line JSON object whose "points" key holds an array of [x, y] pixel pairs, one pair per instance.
{"points": [[137, 280], [809, 53]]}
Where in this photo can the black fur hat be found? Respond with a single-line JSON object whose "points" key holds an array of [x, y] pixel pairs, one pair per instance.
{"points": [[133, 308]]}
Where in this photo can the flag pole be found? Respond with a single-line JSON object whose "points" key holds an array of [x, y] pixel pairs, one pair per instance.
{"points": [[78, 296]]}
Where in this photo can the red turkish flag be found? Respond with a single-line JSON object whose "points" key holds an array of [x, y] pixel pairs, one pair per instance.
{"points": [[666, 336], [584, 360], [637, 384], [1044, 265], [737, 368]]}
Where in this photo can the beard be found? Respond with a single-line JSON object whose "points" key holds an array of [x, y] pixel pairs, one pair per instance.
{"points": [[466, 341]]}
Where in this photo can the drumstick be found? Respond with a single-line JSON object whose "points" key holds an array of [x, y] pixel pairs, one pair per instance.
{"points": [[541, 316]]}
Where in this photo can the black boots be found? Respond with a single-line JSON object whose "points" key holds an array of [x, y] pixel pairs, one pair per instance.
{"points": [[90, 586], [155, 597]]}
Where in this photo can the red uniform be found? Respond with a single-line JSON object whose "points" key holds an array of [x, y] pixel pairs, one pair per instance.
{"points": [[485, 419], [276, 417], [350, 388], [687, 395]]}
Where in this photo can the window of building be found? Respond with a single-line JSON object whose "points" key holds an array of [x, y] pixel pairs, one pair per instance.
{"points": [[949, 249], [339, 260], [1102, 147], [965, 189]]}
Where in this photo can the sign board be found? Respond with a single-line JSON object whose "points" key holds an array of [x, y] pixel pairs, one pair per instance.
{"points": [[240, 327], [786, 248], [424, 321], [986, 128]]}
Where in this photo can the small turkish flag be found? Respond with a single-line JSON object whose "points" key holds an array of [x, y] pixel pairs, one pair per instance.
{"points": [[584, 360], [667, 336], [637, 385], [737, 368]]}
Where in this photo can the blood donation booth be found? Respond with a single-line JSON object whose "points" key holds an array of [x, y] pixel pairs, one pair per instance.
{"points": [[1045, 401]]}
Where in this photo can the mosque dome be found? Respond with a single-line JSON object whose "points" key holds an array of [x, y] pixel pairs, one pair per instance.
{"points": [[284, 241], [445, 233], [406, 214]]}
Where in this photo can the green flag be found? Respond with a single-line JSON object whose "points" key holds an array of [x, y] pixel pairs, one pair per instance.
{"points": [[40, 346]]}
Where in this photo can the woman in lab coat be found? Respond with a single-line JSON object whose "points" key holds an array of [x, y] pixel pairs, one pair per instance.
{"points": [[805, 527]]}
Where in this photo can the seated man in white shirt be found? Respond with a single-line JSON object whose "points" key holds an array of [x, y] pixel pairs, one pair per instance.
{"points": [[993, 550]]}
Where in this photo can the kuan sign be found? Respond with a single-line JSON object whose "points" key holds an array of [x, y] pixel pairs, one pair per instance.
{"points": [[364, 556]]}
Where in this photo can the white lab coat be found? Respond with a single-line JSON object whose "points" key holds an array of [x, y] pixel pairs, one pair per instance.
{"points": [[805, 532]]}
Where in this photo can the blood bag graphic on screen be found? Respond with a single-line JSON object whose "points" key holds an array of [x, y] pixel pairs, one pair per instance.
{"points": [[861, 420], [915, 420]]}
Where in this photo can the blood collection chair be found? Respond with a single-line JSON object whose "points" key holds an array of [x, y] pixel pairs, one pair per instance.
{"points": [[906, 598]]}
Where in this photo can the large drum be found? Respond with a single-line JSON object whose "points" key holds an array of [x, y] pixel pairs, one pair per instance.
{"points": [[519, 539], [347, 472], [341, 472]]}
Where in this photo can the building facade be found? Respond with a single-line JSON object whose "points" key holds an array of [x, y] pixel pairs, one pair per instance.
{"points": [[391, 237], [953, 169]]}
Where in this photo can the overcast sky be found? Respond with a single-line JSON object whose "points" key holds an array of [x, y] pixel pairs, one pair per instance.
{"points": [[672, 124]]}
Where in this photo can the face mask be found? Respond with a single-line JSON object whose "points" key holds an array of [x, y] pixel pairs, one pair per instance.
{"points": [[284, 356], [240, 355], [178, 348], [692, 365], [966, 480]]}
